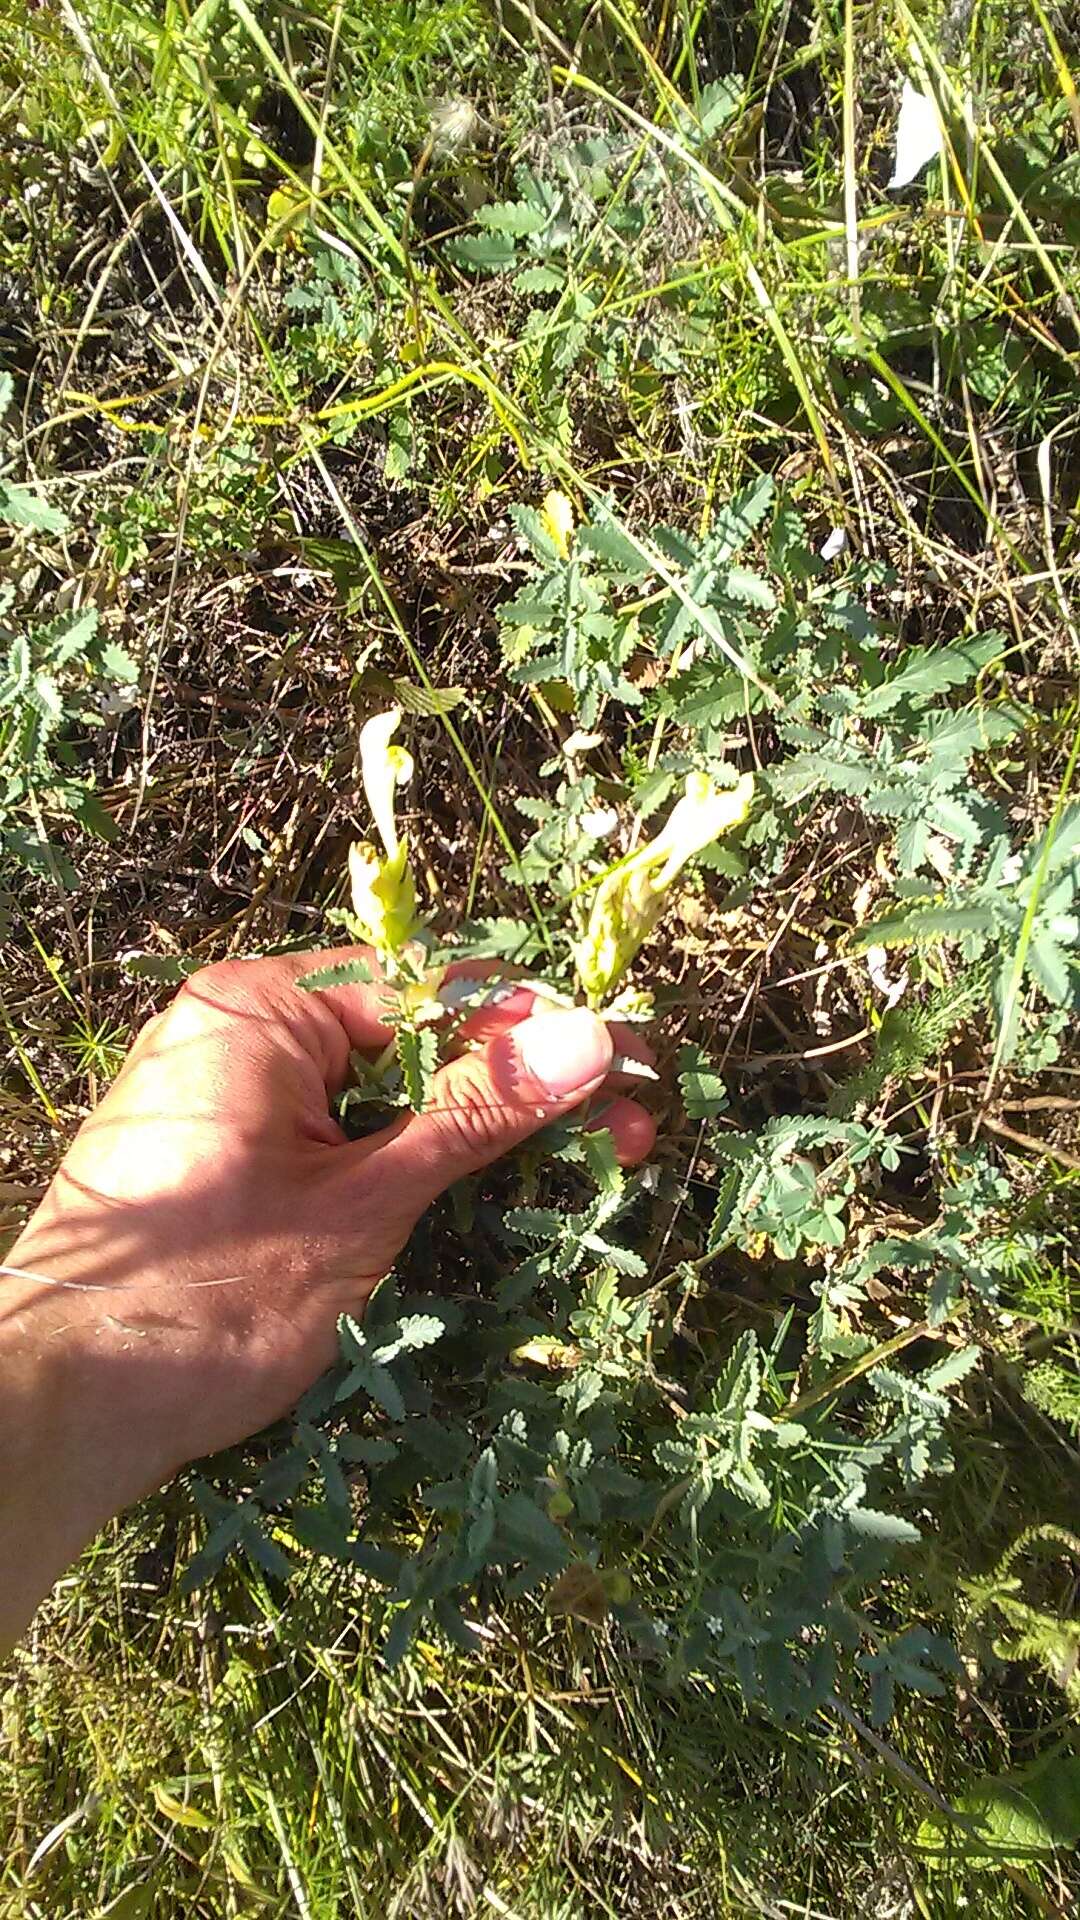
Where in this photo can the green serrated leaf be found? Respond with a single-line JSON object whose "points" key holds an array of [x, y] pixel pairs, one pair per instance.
{"points": [[724, 1223], [534, 1223], [536, 536], [611, 545], [703, 1091], [169, 970], [719, 102], [540, 279], [417, 1052], [117, 662], [490, 252], [379, 1384], [344, 973], [426, 702], [516, 217], [955, 1366], [890, 1527], [366, 1449], [923, 923], [413, 1330], [740, 584], [598, 1148], [932, 670], [527, 1534]]}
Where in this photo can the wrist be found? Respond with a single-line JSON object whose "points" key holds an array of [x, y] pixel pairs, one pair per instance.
{"points": [[80, 1437]]}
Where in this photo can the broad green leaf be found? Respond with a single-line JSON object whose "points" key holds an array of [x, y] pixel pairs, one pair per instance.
{"points": [[540, 279], [135, 1903], [180, 1811], [22, 507], [1020, 1817], [491, 252]]}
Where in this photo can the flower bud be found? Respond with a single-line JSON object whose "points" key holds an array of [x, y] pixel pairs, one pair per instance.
{"points": [[383, 896], [557, 518]]}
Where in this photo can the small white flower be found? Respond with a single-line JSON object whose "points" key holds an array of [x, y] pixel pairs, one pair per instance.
{"points": [[600, 823]]}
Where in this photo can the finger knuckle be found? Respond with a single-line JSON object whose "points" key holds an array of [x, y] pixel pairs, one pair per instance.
{"points": [[471, 1117], [218, 981]]}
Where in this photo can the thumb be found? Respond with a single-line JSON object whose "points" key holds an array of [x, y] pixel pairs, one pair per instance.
{"points": [[488, 1102]]}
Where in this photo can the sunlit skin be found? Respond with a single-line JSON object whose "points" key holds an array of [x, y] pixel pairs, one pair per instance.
{"points": [[179, 1286]]}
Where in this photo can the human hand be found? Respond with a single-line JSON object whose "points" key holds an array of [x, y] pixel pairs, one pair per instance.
{"points": [[182, 1279]]}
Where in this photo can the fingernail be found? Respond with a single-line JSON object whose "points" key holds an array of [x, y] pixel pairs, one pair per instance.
{"points": [[564, 1051]]}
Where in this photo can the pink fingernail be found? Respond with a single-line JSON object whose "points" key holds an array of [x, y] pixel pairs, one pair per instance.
{"points": [[564, 1051]]}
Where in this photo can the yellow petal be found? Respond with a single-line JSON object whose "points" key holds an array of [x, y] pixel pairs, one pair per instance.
{"points": [[557, 515], [383, 896], [546, 1352]]}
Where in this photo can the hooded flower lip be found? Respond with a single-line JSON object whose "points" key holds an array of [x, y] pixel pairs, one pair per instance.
{"points": [[384, 768], [557, 517], [629, 901], [700, 817]]}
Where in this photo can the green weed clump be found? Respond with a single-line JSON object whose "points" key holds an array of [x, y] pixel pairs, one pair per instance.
{"points": [[539, 430]]}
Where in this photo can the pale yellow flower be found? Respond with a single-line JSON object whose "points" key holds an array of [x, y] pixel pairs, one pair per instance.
{"points": [[629, 901], [557, 517], [383, 892], [383, 895], [384, 768]]}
